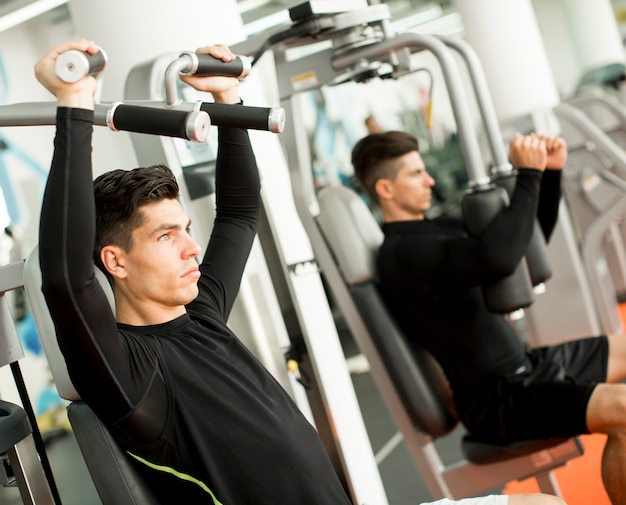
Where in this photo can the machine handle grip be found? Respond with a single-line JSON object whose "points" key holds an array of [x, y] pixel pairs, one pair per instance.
{"points": [[208, 65], [190, 125], [73, 65], [242, 116]]}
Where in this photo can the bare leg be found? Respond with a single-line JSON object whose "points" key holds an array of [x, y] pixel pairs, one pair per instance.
{"points": [[606, 413], [535, 499], [617, 358]]}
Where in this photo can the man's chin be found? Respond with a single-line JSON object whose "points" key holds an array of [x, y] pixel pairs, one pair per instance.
{"points": [[191, 295]]}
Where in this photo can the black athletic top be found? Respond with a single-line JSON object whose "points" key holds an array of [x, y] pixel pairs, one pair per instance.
{"points": [[203, 420], [430, 274]]}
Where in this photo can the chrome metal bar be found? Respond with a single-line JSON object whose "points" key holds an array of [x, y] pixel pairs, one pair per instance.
{"points": [[29, 475], [417, 42], [192, 126], [484, 102]]}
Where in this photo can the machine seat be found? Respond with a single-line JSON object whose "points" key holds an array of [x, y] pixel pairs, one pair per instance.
{"points": [[116, 480], [484, 453]]}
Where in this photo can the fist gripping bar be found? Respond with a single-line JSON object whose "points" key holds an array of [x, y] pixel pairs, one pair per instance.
{"points": [[207, 65], [73, 65], [190, 125], [256, 118]]}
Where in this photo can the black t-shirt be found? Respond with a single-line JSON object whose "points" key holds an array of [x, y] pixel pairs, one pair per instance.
{"points": [[431, 272], [201, 418]]}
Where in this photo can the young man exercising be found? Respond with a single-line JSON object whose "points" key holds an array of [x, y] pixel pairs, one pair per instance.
{"points": [[199, 416], [430, 276]]}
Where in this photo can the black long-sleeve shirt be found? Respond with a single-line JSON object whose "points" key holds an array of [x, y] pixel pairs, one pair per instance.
{"points": [[202, 419], [431, 272]]}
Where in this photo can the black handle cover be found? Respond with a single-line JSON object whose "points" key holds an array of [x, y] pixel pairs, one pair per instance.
{"points": [[97, 61], [150, 120], [211, 66], [238, 116]]}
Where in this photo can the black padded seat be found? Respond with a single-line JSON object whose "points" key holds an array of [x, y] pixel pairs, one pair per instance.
{"points": [[420, 382], [483, 453], [423, 387], [116, 480]]}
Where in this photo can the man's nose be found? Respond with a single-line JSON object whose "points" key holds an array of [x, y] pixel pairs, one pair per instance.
{"points": [[192, 248]]}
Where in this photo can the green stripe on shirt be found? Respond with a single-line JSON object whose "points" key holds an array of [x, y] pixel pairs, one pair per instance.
{"points": [[179, 475]]}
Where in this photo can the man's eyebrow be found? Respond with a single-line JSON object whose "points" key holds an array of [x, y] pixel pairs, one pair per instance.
{"points": [[169, 226]]}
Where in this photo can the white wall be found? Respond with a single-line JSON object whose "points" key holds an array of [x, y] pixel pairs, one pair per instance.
{"points": [[579, 36]]}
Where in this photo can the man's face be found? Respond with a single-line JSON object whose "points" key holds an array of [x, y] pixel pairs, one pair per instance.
{"points": [[411, 190], [161, 264]]}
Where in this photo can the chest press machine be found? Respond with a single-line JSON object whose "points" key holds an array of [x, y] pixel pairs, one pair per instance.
{"points": [[358, 45]]}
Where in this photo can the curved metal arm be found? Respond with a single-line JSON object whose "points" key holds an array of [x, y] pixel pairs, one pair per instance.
{"points": [[484, 101], [416, 42], [597, 97], [182, 64], [592, 132]]}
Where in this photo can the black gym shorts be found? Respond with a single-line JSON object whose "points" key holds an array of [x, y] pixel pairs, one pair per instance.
{"points": [[549, 400]]}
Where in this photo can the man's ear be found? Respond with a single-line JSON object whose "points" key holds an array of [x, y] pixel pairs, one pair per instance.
{"points": [[113, 259], [384, 189]]}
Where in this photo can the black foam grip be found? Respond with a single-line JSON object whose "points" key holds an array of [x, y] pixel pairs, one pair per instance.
{"points": [[480, 206], [96, 61], [210, 65], [150, 120], [238, 116]]}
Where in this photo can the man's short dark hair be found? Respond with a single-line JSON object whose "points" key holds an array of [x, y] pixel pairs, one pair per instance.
{"points": [[374, 156], [119, 196]]}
